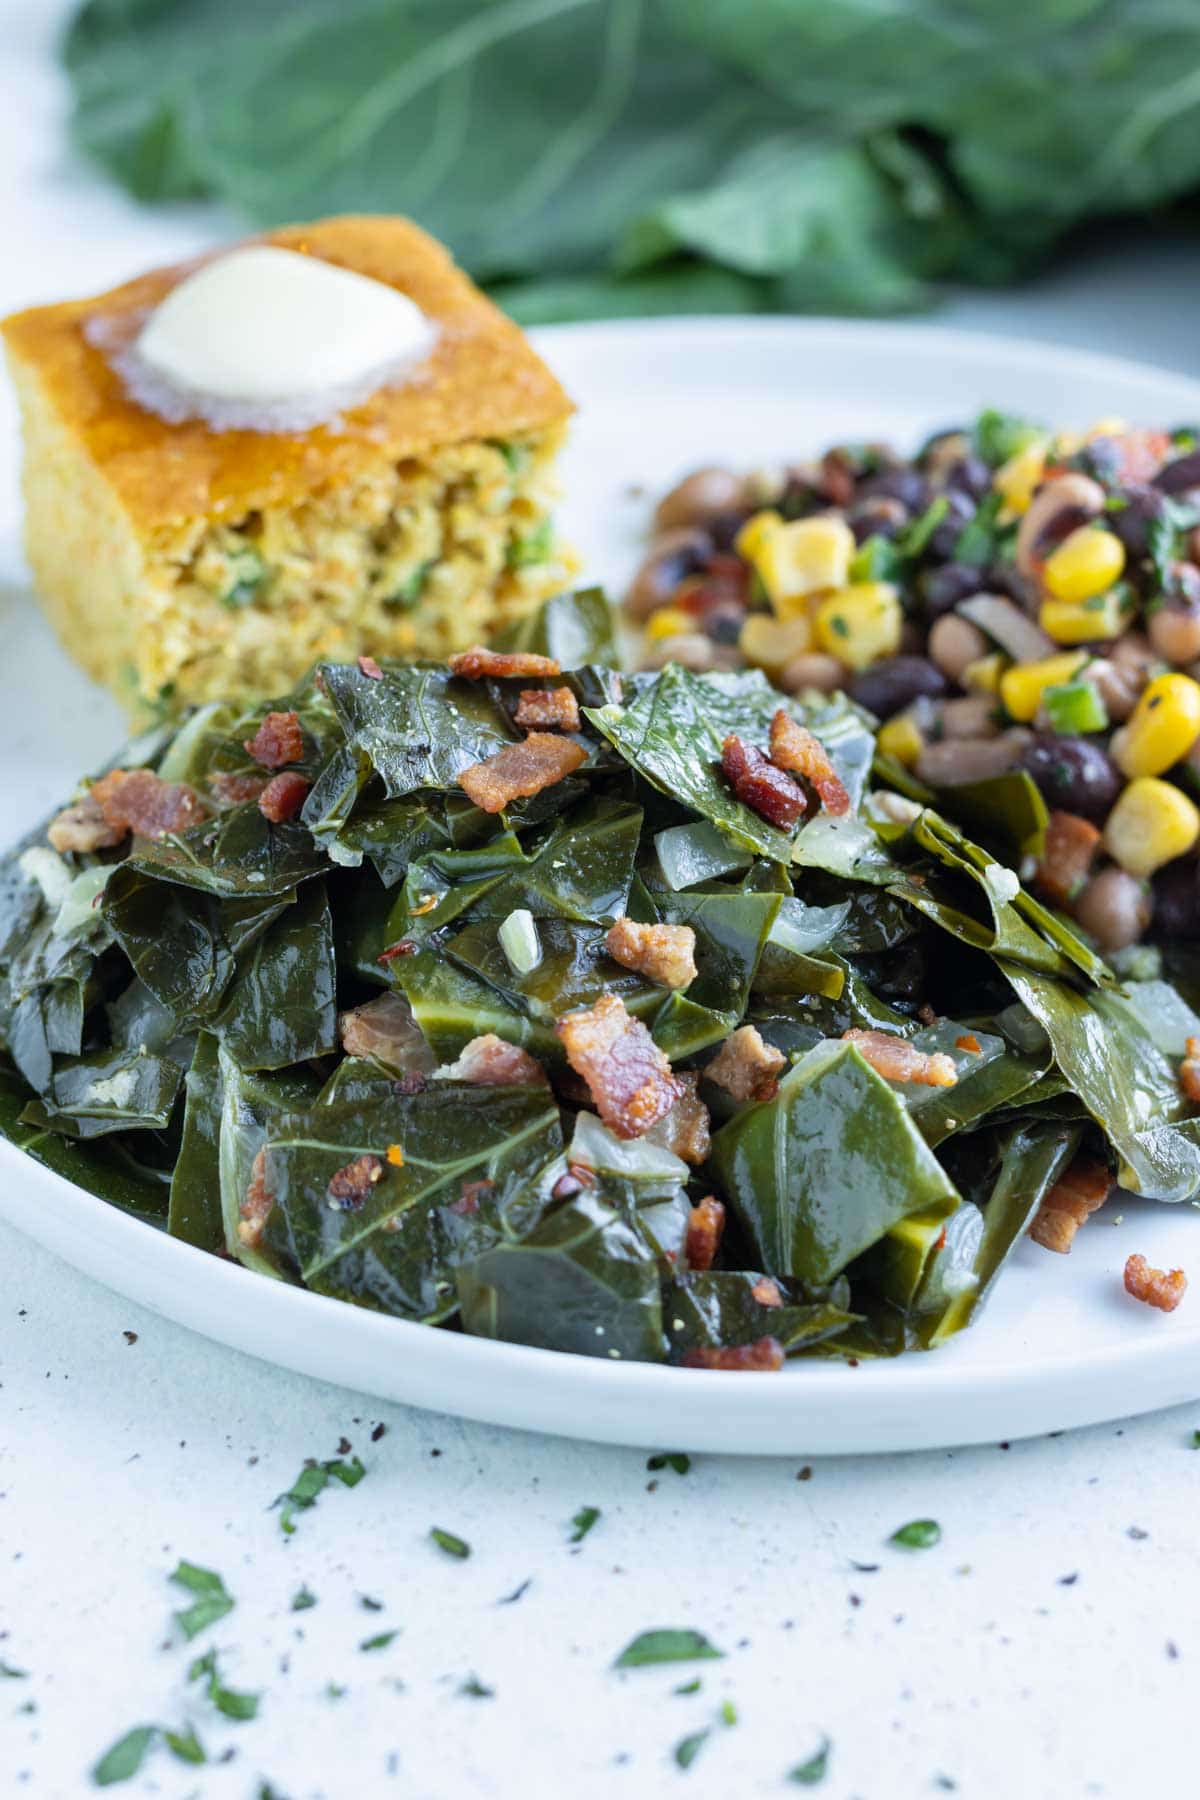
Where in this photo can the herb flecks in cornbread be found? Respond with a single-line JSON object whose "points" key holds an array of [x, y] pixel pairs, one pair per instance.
{"points": [[181, 564]]}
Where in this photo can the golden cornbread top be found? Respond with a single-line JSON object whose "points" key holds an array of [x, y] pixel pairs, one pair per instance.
{"points": [[480, 380]]}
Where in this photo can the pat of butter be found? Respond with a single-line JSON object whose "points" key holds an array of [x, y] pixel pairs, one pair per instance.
{"points": [[268, 328]]}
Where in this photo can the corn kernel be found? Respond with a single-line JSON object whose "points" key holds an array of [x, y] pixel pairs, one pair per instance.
{"points": [[1022, 686], [770, 644], [983, 676], [1085, 563], [1151, 824], [860, 623], [1086, 621], [1109, 426], [1016, 480], [902, 738], [755, 532], [667, 622], [1162, 728], [803, 558]]}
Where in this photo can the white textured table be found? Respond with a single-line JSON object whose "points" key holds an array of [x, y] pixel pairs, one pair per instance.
{"points": [[1047, 1646]]}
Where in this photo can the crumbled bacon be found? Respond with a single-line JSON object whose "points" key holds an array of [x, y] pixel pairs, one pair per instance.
{"points": [[489, 1061], [548, 709], [277, 741], [138, 800], [1083, 1189], [283, 797], [520, 770], [1066, 862], [370, 668], [471, 1194], [628, 1076], [766, 1292], [83, 827], [745, 1066], [349, 1187], [763, 1355], [1189, 1071], [235, 790], [255, 1208], [1163, 1288], [896, 1059], [577, 1177], [662, 953], [795, 748], [758, 784], [685, 1129], [385, 1030], [704, 1231], [476, 663]]}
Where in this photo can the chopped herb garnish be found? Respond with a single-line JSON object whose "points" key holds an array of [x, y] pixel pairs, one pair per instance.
{"points": [[814, 1771], [582, 1523], [667, 1646], [728, 1713], [369, 1603], [302, 1599], [312, 1481], [334, 1690], [864, 1568], [688, 1749], [918, 1534], [212, 1601], [247, 572], [185, 1745], [670, 1459], [1196, 1440], [688, 1687], [126, 1757], [8, 1673], [476, 1689], [518, 1593], [380, 1641], [534, 547], [447, 1541], [229, 1701]]}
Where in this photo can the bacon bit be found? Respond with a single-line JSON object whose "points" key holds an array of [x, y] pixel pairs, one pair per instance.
{"points": [[521, 770], [1192, 1048], [370, 668], [403, 947], [255, 1209], [970, 1043], [765, 1354], [476, 663], [139, 801], [684, 1131], [385, 1030], [758, 784], [349, 1187], [746, 1067], [577, 1177], [283, 797], [1082, 1191], [705, 1228], [1066, 862], [395, 1156], [472, 1193], [83, 827], [662, 953], [1189, 1078], [795, 748], [412, 1082], [489, 1061], [766, 1292], [548, 709], [277, 741], [836, 480], [897, 1060], [628, 1076], [235, 790], [1156, 1287]]}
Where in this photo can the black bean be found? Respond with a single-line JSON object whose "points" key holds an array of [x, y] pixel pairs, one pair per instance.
{"points": [[724, 527], [723, 623], [942, 589], [1183, 585], [1006, 578], [971, 476], [1132, 521], [879, 517], [1179, 476], [961, 512], [907, 485], [1101, 458], [1073, 774], [936, 439], [1177, 901], [889, 686]]}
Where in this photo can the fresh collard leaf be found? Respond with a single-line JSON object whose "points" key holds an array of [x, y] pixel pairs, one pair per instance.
{"points": [[452, 1006], [814, 1769], [690, 854], [585, 1280], [311, 1483], [1006, 810], [250, 1102], [238, 856], [114, 1090], [176, 940], [821, 1172], [212, 1601], [195, 1206], [573, 628], [582, 1523], [123, 1761], [573, 969], [667, 1645], [419, 727], [732, 931], [450, 1543], [715, 1308], [989, 1074], [103, 1166], [228, 1701], [392, 834], [281, 1006]]}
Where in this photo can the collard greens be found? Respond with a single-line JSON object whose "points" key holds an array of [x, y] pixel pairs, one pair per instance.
{"points": [[170, 1035]]}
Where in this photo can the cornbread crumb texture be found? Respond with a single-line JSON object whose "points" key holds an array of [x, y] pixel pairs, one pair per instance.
{"points": [[180, 563]]}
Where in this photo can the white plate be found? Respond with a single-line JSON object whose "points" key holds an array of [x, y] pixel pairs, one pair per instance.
{"points": [[1060, 1344]]}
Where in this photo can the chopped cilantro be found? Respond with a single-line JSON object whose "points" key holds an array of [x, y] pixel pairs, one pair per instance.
{"points": [[518, 1593], [212, 1600], [380, 1641], [334, 1690], [8, 1673], [185, 1745], [916, 534], [977, 543], [688, 1687], [302, 1599], [452, 1545], [126, 1757], [688, 1749], [312, 1481], [728, 1713], [369, 1603], [476, 1689], [583, 1521], [665, 1646], [1195, 1446], [999, 435], [918, 1534], [810, 1773], [226, 1700]]}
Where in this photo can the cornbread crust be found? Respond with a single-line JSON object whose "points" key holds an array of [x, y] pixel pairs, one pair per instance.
{"points": [[181, 564]]}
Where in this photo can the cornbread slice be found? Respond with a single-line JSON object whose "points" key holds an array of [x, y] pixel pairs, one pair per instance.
{"points": [[178, 563]]}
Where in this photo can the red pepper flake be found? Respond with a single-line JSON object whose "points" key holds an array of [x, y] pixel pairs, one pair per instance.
{"points": [[370, 668], [425, 905], [403, 947], [395, 1156], [765, 1354], [970, 1043]]}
